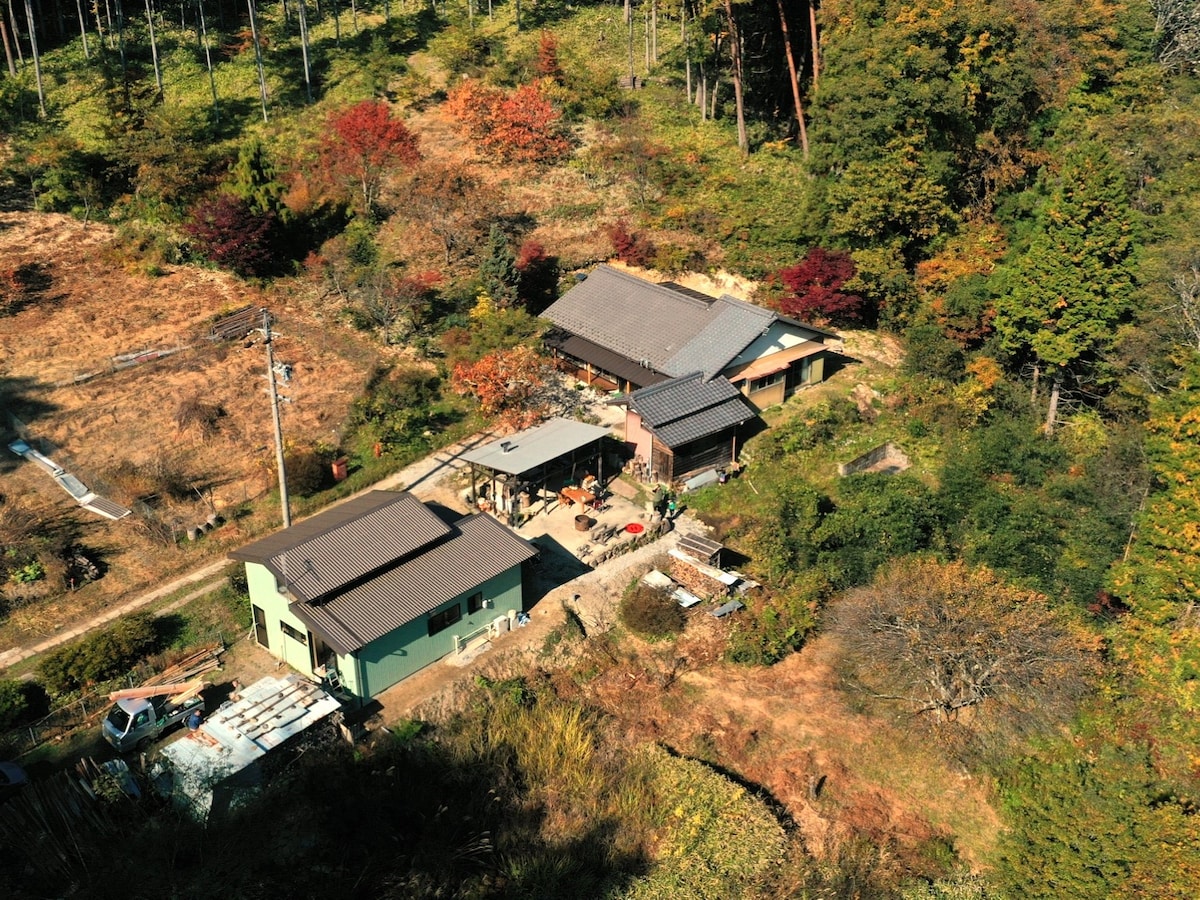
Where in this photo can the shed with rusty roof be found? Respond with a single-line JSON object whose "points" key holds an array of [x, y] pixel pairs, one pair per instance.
{"points": [[366, 593]]}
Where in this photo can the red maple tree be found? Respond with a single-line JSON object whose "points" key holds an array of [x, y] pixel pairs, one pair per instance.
{"points": [[228, 232], [538, 272], [547, 64], [362, 144], [814, 288]]}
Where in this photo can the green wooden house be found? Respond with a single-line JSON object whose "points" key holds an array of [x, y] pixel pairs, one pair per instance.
{"points": [[366, 593]]}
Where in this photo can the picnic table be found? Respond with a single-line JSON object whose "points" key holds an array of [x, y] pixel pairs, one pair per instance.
{"points": [[569, 495]]}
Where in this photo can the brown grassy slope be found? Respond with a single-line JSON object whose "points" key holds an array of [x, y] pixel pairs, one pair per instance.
{"points": [[117, 430]]}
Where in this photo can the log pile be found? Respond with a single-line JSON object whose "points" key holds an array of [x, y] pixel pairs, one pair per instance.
{"points": [[190, 667], [695, 581]]}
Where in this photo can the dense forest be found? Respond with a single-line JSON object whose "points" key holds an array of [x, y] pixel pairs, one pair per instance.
{"points": [[1006, 188]]}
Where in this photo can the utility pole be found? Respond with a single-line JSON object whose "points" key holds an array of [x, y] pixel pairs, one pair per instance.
{"points": [[283, 491]]}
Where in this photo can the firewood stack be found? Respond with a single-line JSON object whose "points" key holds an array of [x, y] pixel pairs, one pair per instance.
{"points": [[695, 581]]}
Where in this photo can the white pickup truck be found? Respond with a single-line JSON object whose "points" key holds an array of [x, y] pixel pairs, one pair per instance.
{"points": [[140, 715]]}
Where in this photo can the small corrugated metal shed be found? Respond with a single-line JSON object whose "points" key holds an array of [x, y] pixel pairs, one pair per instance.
{"points": [[535, 447], [269, 713]]}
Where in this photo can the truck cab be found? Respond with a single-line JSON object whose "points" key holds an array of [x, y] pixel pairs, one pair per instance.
{"points": [[133, 723]]}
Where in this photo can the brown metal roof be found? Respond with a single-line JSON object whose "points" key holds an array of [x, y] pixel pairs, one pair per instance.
{"points": [[480, 549], [339, 546], [776, 362]]}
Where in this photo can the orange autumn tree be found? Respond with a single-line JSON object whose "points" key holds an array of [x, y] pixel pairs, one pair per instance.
{"points": [[522, 126], [507, 383]]}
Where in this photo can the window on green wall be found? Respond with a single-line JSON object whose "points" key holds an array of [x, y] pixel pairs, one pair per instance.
{"points": [[475, 602], [293, 633], [440, 621]]}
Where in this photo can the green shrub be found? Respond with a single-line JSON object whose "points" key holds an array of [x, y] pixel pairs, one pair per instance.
{"points": [[650, 612], [776, 624], [309, 470], [15, 707], [27, 574], [100, 656]]}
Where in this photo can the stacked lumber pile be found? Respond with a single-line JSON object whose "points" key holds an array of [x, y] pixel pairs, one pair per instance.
{"points": [[192, 666]]}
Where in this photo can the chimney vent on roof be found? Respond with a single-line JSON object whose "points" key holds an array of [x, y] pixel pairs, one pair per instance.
{"points": [[505, 446]]}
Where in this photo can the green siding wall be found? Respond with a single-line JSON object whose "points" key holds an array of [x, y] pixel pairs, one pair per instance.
{"points": [[274, 605], [394, 656], [410, 648]]}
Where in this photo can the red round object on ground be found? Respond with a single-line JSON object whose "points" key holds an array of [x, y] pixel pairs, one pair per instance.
{"points": [[635, 527]]}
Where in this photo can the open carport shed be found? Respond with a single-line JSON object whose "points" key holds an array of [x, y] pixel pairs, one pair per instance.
{"points": [[556, 453]]}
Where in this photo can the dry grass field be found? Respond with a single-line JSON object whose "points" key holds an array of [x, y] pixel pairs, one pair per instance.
{"points": [[175, 437]]}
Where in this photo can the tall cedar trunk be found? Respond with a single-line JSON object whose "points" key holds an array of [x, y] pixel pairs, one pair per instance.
{"points": [[654, 31], [791, 61], [212, 83], [100, 25], [37, 62], [735, 55], [108, 19], [1052, 412], [304, 49], [687, 52], [337, 23], [816, 49], [262, 78], [8, 54], [121, 48], [16, 33], [154, 49], [629, 27], [83, 28]]}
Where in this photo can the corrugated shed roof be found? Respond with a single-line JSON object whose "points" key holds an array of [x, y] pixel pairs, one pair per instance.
{"points": [[614, 363], [535, 446], [686, 409], [269, 712], [480, 549], [346, 543]]}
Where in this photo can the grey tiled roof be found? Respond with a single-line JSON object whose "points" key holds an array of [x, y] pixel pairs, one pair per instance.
{"points": [[346, 543], [730, 330], [640, 320], [686, 409], [671, 329], [480, 549]]}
